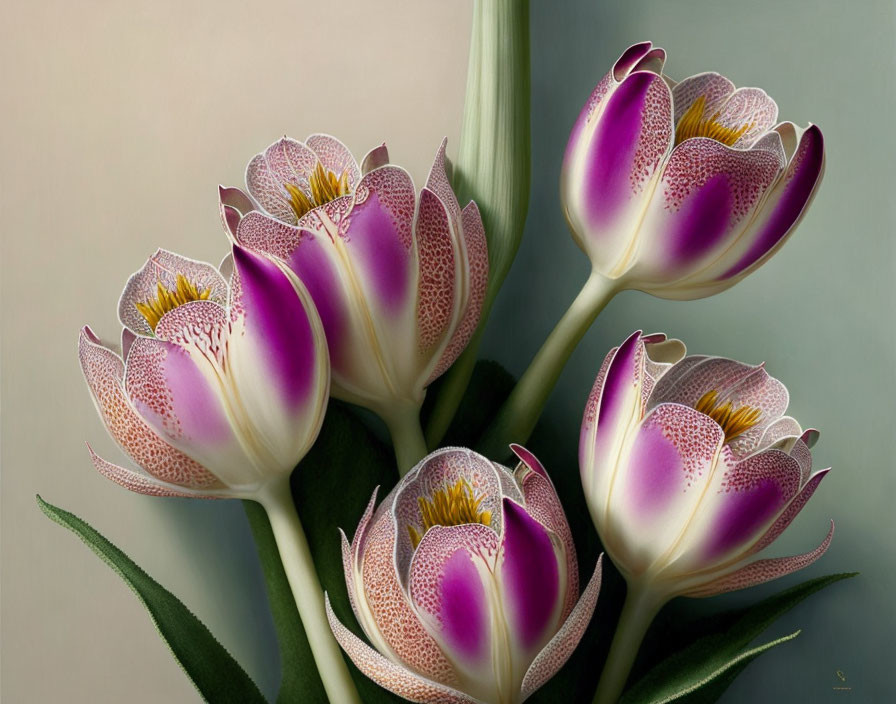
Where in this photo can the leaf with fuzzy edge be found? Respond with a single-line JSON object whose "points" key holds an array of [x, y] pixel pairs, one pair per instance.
{"points": [[701, 672], [216, 674]]}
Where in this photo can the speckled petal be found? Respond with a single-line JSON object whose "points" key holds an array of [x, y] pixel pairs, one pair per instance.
{"points": [[163, 268], [335, 156], [285, 161], [760, 571], [374, 159], [555, 654], [477, 258], [390, 675], [141, 483], [104, 373]]}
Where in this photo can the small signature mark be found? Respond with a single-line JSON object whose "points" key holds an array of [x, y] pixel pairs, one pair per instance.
{"points": [[842, 677]]}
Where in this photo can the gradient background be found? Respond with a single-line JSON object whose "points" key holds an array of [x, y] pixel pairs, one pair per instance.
{"points": [[120, 118]]}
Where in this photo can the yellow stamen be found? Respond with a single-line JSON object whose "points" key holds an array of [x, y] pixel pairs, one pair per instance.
{"points": [[733, 422], [167, 300], [452, 506], [324, 186], [693, 124]]}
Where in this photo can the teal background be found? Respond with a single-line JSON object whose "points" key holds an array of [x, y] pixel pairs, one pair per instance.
{"points": [[820, 313]]}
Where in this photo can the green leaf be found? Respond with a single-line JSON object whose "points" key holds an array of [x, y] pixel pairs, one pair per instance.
{"points": [[300, 681], [700, 672], [218, 677]]}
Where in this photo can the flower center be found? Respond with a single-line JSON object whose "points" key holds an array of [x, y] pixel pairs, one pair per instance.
{"points": [[734, 422], [452, 506], [324, 186], [694, 124], [167, 300]]}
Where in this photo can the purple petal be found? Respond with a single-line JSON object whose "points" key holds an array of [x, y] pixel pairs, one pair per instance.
{"points": [[530, 579], [787, 204]]}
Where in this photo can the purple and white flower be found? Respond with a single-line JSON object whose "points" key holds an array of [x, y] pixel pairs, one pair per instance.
{"points": [[222, 380], [683, 189], [690, 467], [398, 278], [465, 581]]}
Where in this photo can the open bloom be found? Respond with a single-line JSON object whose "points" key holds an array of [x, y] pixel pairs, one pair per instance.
{"points": [[222, 381], [683, 189], [690, 467], [465, 581], [398, 279]]}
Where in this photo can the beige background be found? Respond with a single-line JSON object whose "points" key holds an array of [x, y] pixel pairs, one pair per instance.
{"points": [[119, 120]]}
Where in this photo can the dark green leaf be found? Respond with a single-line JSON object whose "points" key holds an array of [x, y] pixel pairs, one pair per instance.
{"points": [[489, 386], [217, 676], [704, 669]]}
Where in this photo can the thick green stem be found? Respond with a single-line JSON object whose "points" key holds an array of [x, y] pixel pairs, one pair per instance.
{"points": [[641, 605], [521, 410], [306, 590], [492, 165], [407, 435]]}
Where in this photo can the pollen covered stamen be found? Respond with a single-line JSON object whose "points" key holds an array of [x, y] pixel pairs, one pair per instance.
{"points": [[452, 506], [694, 124], [324, 186], [734, 422], [167, 300]]}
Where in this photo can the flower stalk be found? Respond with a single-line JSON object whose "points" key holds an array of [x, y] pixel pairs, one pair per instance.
{"points": [[296, 555], [641, 605], [493, 164], [521, 410], [408, 441]]}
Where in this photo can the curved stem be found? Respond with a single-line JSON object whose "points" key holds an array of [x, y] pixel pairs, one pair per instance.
{"points": [[521, 410], [407, 435], [306, 590], [641, 605]]}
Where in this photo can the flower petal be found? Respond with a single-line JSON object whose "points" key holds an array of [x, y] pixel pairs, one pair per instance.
{"points": [[555, 654], [612, 409], [335, 156], [441, 294], [477, 258], [607, 179], [163, 268], [543, 504], [662, 475], [393, 626], [629, 59], [452, 589], [785, 206], [390, 675], [438, 183], [185, 403], [760, 571], [738, 507], [374, 159], [104, 373], [532, 578], [706, 196], [790, 512], [443, 468], [748, 106], [713, 87], [742, 384], [141, 483], [285, 161], [278, 360]]}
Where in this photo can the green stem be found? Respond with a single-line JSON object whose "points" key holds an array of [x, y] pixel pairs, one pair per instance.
{"points": [[306, 590], [521, 410], [493, 164], [403, 422], [641, 605]]}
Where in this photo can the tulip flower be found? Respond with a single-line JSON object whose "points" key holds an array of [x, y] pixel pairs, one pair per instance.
{"points": [[465, 582], [677, 189], [690, 467], [219, 391], [398, 278]]}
